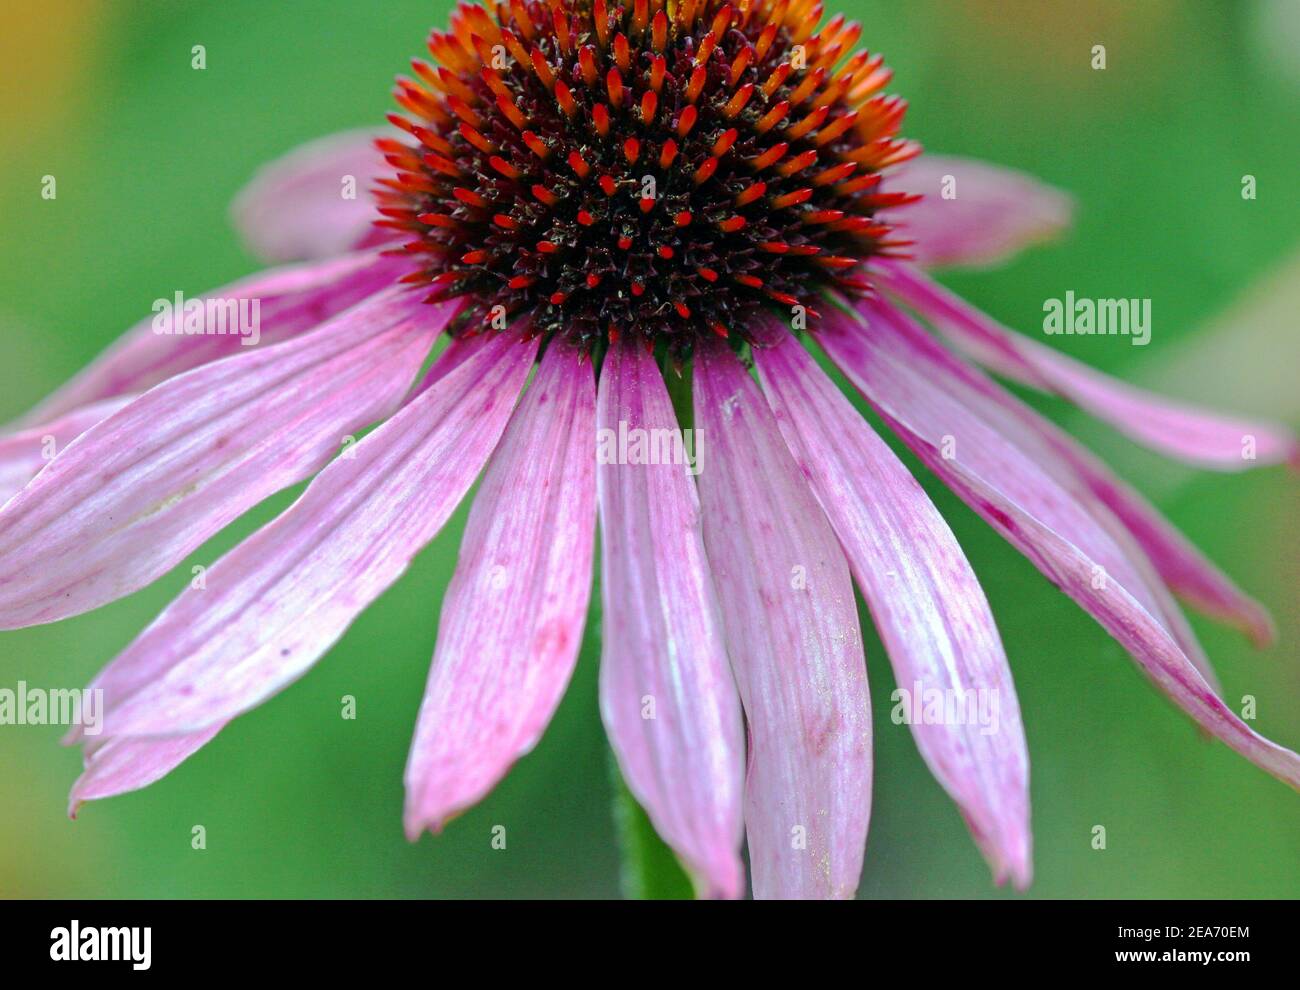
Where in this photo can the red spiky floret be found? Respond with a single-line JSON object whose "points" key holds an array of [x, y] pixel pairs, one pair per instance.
{"points": [[660, 169]]}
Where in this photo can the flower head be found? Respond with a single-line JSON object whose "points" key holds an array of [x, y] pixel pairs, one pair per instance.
{"points": [[589, 199], [664, 173]]}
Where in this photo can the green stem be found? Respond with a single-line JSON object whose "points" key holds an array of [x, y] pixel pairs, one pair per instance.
{"points": [[679, 391], [650, 871]]}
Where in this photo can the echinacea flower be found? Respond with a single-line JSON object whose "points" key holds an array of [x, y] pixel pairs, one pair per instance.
{"points": [[591, 202]]}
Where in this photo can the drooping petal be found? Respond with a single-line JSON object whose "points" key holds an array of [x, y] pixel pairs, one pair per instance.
{"points": [[512, 617], [974, 213], [1058, 455], [313, 202], [1178, 563], [291, 300], [130, 498], [926, 602], [792, 633], [24, 453], [1197, 436], [940, 419], [667, 695], [120, 765], [273, 605], [1102, 533]]}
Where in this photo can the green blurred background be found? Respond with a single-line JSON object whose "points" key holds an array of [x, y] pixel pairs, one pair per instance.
{"points": [[298, 802]]}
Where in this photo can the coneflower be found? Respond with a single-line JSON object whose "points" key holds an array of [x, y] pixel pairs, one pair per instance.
{"points": [[631, 172], [589, 200]]}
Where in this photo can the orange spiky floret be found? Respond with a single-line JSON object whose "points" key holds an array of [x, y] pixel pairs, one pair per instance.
{"points": [[666, 170]]}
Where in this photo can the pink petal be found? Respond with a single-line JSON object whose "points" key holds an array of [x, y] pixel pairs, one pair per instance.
{"points": [[24, 453], [992, 213], [1072, 467], [120, 765], [926, 601], [936, 415], [667, 694], [279, 600], [294, 208], [291, 301], [513, 615], [129, 499], [1178, 563], [796, 650], [1191, 434]]}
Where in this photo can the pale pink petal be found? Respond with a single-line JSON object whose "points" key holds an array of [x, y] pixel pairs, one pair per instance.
{"points": [[1036, 439], [792, 633], [1197, 436], [129, 499], [273, 605], [926, 602], [1178, 563], [24, 453], [291, 300], [512, 617], [120, 765], [1056, 453], [667, 695], [974, 213], [929, 410], [315, 201]]}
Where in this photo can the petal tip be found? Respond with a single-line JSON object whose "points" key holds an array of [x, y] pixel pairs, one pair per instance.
{"points": [[1021, 878], [725, 881], [77, 796], [1019, 871], [415, 825], [1259, 626], [1007, 847], [423, 816]]}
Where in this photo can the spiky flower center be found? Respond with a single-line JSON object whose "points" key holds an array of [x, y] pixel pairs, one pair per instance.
{"points": [[662, 169]]}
